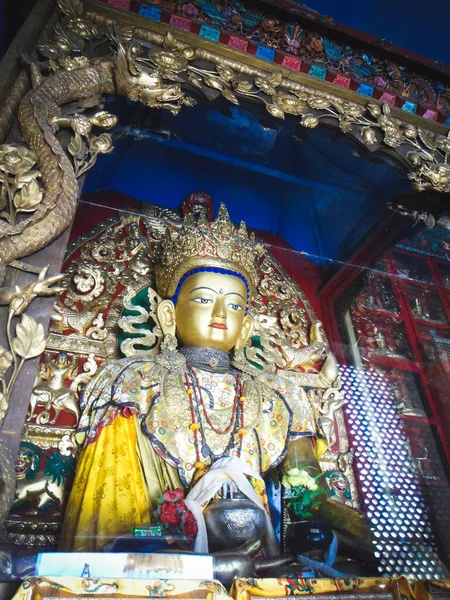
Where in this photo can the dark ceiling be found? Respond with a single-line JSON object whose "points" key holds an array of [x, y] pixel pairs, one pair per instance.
{"points": [[316, 189], [413, 24]]}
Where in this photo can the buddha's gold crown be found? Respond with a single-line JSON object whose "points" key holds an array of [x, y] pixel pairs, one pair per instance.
{"points": [[202, 244]]}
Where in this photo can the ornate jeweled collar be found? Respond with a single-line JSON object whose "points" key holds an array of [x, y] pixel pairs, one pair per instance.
{"points": [[209, 358]]}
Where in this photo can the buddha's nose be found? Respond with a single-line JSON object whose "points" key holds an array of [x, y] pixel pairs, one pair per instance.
{"points": [[219, 308]]}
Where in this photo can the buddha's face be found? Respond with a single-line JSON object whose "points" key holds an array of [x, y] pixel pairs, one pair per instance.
{"points": [[210, 311]]}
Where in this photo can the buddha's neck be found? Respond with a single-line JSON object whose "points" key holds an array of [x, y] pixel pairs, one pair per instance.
{"points": [[206, 358]]}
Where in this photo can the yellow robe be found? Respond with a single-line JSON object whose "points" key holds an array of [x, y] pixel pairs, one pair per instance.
{"points": [[137, 442]]}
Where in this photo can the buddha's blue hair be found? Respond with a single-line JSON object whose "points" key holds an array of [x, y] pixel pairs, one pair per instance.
{"points": [[210, 270]]}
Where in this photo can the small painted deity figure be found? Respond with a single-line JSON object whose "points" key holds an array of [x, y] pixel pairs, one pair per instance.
{"points": [[51, 392], [339, 486]]}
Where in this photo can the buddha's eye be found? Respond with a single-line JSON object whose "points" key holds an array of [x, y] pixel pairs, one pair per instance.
{"points": [[202, 300], [235, 306]]}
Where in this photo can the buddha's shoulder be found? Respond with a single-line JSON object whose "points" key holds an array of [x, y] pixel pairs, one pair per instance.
{"points": [[126, 368]]}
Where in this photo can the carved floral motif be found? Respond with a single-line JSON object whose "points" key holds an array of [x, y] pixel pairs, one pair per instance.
{"points": [[364, 65], [29, 339]]}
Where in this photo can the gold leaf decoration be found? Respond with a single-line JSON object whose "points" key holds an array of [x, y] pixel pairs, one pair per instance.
{"points": [[265, 87], [428, 138], [243, 86], [374, 109], [195, 80], [4, 405], [443, 143], [230, 96], [170, 43], [30, 338], [76, 146], [214, 83], [345, 125], [426, 155], [26, 177], [275, 79], [188, 52], [5, 360], [414, 158], [410, 132], [289, 103], [29, 197], [3, 200], [310, 121], [226, 73], [171, 76], [275, 111]]}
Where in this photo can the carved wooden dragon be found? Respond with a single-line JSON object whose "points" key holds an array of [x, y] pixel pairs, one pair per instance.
{"points": [[58, 176], [40, 116]]}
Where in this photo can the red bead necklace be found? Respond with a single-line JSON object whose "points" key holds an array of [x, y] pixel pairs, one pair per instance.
{"points": [[194, 393]]}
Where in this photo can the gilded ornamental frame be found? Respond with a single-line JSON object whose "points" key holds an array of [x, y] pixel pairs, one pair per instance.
{"points": [[153, 63]]}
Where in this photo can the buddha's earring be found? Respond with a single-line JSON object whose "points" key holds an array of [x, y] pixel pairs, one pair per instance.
{"points": [[169, 357], [169, 343]]}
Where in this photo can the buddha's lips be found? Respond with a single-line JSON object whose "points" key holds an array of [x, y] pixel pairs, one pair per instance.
{"points": [[218, 326]]}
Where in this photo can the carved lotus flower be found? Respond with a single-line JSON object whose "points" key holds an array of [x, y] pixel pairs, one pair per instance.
{"points": [[410, 132], [168, 60], [16, 159], [265, 86], [226, 73], [290, 104], [84, 282], [188, 52], [310, 121], [82, 28], [102, 144], [319, 103], [350, 110]]}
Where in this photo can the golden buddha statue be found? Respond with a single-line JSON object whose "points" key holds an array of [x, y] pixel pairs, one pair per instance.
{"points": [[154, 424]]}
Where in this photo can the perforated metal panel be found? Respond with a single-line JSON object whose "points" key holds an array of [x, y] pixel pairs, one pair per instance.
{"points": [[396, 477]]}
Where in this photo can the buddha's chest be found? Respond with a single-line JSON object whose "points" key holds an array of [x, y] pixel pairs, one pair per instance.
{"points": [[201, 416]]}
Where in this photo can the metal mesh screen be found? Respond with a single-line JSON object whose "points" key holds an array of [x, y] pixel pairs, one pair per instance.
{"points": [[394, 480]]}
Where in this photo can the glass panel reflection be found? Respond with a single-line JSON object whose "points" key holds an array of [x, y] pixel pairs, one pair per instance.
{"points": [[425, 304]]}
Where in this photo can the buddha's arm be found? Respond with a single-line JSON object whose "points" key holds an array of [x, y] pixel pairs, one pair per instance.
{"points": [[340, 517]]}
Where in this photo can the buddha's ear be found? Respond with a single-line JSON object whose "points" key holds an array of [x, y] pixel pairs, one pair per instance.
{"points": [[247, 328], [166, 317]]}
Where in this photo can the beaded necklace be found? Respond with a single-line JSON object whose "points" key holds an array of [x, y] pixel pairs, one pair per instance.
{"points": [[195, 394]]}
